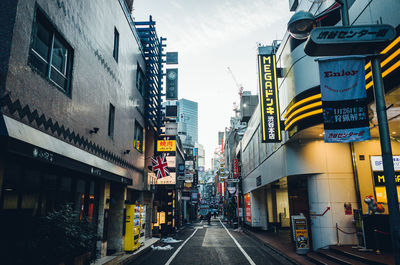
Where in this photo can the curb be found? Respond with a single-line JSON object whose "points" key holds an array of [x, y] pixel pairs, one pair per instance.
{"points": [[283, 255], [132, 257]]}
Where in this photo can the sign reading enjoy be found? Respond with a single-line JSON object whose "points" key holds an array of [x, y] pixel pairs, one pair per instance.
{"points": [[343, 97]]}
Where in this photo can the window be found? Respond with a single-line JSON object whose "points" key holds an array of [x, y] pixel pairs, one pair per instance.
{"points": [[116, 44], [140, 80], [111, 118], [138, 137], [50, 54]]}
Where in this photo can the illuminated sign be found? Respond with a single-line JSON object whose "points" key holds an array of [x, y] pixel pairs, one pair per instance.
{"points": [[166, 145], [247, 206], [171, 179], [271, 131], [379, 177]]}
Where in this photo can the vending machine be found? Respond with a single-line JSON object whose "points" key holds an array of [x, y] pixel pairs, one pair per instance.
{"points": [[142, 223], [132, 227], [137, 227], [129, 241]]}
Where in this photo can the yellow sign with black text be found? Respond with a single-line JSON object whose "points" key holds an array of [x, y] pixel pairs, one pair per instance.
{"points": [[269, 99]]}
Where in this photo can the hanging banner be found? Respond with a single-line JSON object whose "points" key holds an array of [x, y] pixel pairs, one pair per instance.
{"points": [[269, 103], [344, 99]]}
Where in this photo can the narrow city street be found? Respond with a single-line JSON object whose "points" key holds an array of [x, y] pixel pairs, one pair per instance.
{"points": [[212, 244]]}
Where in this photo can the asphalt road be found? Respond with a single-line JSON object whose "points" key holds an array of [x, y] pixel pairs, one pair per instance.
{"points": [[212, 244]]}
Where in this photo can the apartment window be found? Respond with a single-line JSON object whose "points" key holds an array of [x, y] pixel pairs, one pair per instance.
{"points": [[116, 44], [111, 119], [140, 80], [50, 54], [138, 137]]}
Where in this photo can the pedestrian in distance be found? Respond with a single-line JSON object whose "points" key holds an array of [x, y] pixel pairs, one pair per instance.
{"points": [[208, 217]]}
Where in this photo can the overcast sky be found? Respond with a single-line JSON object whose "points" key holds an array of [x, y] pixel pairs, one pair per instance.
{"points": [[211, 35]]}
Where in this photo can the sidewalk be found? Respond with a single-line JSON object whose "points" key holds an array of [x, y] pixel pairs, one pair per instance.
{"points": [[127, 258], [281, 244]]}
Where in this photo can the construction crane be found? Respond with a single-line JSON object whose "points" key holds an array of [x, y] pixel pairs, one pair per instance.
{"points": [[240, 92], [239, 86]]}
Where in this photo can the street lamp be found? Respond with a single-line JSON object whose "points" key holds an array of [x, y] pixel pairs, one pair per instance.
{"points": [[300, 26]]}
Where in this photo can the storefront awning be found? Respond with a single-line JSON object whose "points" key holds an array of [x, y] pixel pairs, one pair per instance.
{"points": [[30, 142]]}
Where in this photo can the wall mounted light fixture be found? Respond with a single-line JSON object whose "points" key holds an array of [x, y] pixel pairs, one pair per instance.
{"points": [[94, 130]]}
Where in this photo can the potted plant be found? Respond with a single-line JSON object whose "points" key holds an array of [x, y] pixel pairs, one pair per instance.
{"points": [[62, 237]]}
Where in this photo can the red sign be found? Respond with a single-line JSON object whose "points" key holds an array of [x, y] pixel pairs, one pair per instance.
{"points": [[235, 168], [247, 205]]}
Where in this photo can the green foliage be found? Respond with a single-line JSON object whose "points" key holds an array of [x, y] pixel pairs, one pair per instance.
{"points": [[60, 236]]}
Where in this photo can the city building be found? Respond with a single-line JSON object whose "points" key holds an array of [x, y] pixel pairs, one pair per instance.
{"points": [[302, 174], [75, 121], [188, 127]]}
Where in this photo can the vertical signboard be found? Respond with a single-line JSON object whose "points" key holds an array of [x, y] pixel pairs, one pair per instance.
{"points": [[379, 177], [247, 206], [220, 138], [196, 154], [235, 168], [270, 115], [344, 99], [172, 84]]}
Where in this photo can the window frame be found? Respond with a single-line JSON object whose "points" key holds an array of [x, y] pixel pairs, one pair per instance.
{"points": [[111, 121], [139, 72], [116, 45], [42, 19], [138, 128]]}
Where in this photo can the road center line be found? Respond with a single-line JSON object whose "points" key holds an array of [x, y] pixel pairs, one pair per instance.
{"points": [[180, 247], [239, 246]]}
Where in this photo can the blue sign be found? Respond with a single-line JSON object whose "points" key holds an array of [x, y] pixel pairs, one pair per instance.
{"points": [[181, 169], [196, 153]]}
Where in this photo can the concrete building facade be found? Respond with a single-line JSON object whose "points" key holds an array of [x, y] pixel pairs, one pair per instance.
{"points": [[72, 119], [303, 174]]}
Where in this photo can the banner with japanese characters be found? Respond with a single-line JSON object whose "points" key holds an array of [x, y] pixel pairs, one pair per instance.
{"points": [[344, 99], [269, 104]]}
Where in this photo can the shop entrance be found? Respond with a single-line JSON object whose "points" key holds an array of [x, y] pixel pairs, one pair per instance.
{"points": [[298, 198], [278, 205]]}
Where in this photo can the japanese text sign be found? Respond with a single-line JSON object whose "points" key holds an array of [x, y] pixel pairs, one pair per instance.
{"points": [[362, 33], [270, 116], [235, 168], [349, 40], [166, 145], [344, 101], [379, 177]]}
